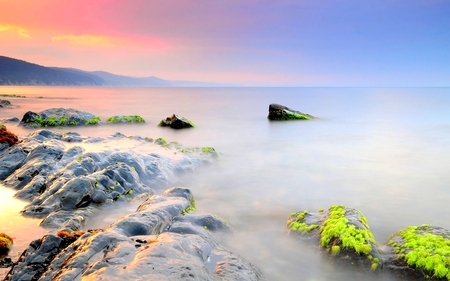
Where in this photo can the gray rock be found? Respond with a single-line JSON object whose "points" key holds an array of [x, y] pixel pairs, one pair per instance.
{"points": [[59, 117], [140, 247], [11, 159]]}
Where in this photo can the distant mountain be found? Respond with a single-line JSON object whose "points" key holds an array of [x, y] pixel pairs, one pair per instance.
{"points": [[19, 72]]}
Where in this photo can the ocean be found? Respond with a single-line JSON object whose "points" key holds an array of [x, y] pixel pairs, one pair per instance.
{"points": [[383, 151]]}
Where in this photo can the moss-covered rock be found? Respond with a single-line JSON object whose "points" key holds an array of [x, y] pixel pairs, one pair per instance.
{"points": [[59, 117], [343, 233], [125, 119], [420, 252], [176, 122], [281, 112]]}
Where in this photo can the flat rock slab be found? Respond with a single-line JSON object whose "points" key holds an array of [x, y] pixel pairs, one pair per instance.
{"points": [[281, 112]]}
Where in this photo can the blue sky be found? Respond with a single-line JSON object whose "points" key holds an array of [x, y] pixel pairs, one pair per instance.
{"points": [[252, 43]]}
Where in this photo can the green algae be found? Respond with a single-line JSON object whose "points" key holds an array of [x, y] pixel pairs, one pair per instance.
{"points": [[426, 251], [337, 229], [2, 126], [299, 225], [161, 141], [125, 119], [92, 121]]}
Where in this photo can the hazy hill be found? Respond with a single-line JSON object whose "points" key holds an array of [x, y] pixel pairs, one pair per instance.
{"points": [[19, 72]]}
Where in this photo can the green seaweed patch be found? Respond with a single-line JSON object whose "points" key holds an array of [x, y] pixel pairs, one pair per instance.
{"points": [[296, 223], [296, 116], [2, 126], [337, 230], [125, 119], [424, 250], [92, 121], [12, 96], [161, 141]]}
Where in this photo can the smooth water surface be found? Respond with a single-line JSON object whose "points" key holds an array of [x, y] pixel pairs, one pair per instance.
{"points": [[383, 151]]}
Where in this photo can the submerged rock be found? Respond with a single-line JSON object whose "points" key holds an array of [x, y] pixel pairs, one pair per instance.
{"points": [[281, 112], [343, 233], [176, 122], [125, 119], [59, 117], [160, 241], [419, 253], [66, 184]]}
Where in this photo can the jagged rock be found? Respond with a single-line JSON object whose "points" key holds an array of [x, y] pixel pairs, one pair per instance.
{"points": [[281, 112], [176, 122], [59, 181], [140, 246], [59, 117], [419, 253], [343, 234]]}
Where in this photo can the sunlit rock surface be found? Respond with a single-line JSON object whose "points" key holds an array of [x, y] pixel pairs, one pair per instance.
{"points": [[176, 122], [162, 240], [66, 177], [53, 117]]}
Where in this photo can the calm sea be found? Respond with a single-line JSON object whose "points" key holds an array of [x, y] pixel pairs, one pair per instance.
{"points": [[384, 151]]}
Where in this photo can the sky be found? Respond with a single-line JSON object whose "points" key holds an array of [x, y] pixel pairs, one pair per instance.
{"points": [[310, 43]]}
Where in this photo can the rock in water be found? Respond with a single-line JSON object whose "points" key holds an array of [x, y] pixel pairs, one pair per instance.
{"points": [[343, 233], [176, 122], [162, 240], [281, 112], [59, 117], [420, 253]]}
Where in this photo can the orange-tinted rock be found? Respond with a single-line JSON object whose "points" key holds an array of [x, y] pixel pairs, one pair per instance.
{"points": [[7, 137]]}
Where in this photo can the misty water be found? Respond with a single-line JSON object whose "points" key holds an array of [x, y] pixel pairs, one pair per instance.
{"points": [[383, 151]]}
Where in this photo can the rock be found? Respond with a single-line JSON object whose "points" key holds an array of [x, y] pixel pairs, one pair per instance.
{"points": [[281, 112], [419, 253], [140, 246], [176, 122], [10, 120], [65, 186], [343, 233], [59, 117], [6, 243], [125, 119], [6, 137]]}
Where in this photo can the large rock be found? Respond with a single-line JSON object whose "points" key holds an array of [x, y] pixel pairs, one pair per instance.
{"points": [[66, 184], [161, 241], [281, 112], [59, 117], [342, 233], [176, 122], [419, 253]]}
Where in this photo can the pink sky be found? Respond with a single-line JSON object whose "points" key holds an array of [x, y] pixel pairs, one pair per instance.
{"points": [[250, 42]]}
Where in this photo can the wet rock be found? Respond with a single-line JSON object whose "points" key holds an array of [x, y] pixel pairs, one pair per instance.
{"points": [[419, 253], [343, 235], [281, 112], [140, 246], [176, 122], [59, 117], [10, 120], [59, 181]]}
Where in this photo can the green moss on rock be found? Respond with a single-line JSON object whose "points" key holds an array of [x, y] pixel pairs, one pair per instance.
{"points": [[125, 119], [425, 248]]}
